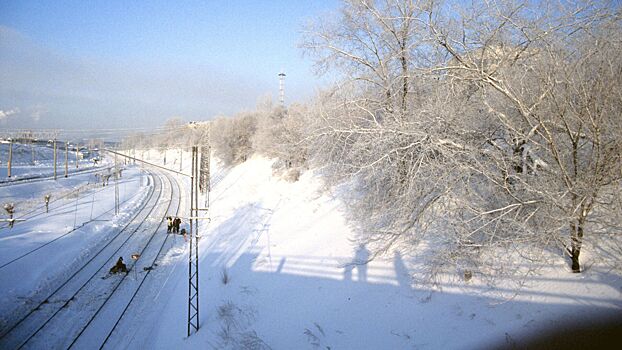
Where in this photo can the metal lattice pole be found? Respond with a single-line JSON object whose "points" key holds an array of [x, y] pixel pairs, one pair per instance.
{"points": [[190, 289], [282, 89], [196, 228], [204, 173], [193, 255]]}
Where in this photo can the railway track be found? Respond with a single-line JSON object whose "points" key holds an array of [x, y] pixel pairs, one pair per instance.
{"points": [[102, 325], [40, 210], [72, 231], [84, 289]]}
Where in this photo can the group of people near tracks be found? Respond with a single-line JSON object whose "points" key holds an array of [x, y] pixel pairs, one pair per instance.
{"points": [[173, 226]]}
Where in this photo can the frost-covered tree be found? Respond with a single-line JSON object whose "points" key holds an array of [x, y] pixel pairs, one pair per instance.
{"points": [[172, 134], [500, 134], [231, 138], [544, 88], [281, 133]]}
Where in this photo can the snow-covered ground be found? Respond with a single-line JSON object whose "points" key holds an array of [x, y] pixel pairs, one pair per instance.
{"points": [[278, 269], [287, 254], [47, 245], [35, 161]]}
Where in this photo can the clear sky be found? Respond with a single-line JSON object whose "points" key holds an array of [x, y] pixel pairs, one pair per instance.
{"points": [[109, 64]]}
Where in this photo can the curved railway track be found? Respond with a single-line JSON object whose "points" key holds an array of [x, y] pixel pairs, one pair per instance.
{"points": [[76, 229], [83, 289], [101, 326], [96, 258]]}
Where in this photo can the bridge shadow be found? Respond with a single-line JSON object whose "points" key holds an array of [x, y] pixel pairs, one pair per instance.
{"points": [[348, 302], [332, 305]]}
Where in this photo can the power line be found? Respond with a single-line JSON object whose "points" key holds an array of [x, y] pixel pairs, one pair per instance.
{"points": [[88, 133], [193, 256]]}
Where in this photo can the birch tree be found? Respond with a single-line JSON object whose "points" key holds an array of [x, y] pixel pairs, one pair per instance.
{"points": [[503, 134], [547, 80]]}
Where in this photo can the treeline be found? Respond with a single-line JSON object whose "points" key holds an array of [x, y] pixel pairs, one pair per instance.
{"points": [[175, 133], [490, 131], [270, 130], [273, 131]]}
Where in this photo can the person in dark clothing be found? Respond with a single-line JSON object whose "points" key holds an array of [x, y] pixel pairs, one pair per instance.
{"points": [[169, 222], [184, 233], [176, 224], [119, 266]]}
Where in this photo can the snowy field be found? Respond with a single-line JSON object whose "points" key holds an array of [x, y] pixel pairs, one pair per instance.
{"points": [[36, 161], [278, 269]]}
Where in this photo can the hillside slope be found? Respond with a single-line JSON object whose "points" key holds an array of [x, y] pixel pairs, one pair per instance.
{"points": [[279, 269]]}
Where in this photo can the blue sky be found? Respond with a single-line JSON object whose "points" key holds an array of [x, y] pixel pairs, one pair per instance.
{"points": [[82, 64]]}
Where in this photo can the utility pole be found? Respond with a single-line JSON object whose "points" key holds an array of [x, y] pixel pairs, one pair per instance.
{"points": [[193, 256], [32, 150], [66, 158], [54, 159], [193, 218], [77, 161], [10, 157], [181, 156], [116, 185]]}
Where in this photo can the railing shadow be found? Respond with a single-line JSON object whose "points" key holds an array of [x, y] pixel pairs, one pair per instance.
{"points": [[374, 307]]}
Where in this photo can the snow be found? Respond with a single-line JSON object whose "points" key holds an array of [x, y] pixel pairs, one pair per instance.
{"points": [[22, 165], [280, 268]]}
